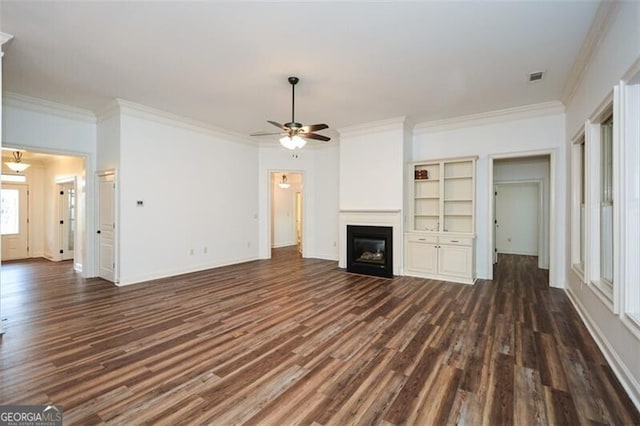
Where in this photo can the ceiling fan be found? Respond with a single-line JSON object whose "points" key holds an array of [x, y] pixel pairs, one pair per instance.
{"points": [[292, 132]]}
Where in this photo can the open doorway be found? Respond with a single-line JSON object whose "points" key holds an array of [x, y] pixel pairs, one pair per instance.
{"points": [[521, 207], [52, 215], [287, 211]]}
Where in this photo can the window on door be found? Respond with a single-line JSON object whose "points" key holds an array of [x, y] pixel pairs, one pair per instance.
{"points": [[10, 212]]}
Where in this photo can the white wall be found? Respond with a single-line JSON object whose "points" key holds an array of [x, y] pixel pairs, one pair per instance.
{"points": [[319, 167], [198, 192], [283, 210], [372, 161], [43, 126], [616, 53], [518, 135], [108, 142], [523, 169]]}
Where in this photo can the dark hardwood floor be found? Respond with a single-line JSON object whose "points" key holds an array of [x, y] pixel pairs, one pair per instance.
{"points": [[298, 341]]}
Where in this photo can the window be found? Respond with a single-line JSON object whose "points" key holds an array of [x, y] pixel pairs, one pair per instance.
{"points": [[578, 245], [600, 205], [13, 178], [9, 211], [606, 204]]}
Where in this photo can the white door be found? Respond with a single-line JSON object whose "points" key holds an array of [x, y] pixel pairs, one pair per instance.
{"points": [[67, 218], [106, 227], [517, 218], [14, 218]]}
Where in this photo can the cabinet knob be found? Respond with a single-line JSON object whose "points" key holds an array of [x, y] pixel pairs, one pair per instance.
{"points": [[422, 239], [455, 241]]}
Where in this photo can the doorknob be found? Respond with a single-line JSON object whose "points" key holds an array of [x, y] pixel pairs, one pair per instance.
{"points": [[98, 232]]}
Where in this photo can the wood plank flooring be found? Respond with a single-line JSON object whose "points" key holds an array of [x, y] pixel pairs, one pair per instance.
{"points": [[299, 341]]}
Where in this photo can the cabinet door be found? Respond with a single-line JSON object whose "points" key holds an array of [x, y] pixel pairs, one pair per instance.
{"points": [[422, 257], [456, 261]]}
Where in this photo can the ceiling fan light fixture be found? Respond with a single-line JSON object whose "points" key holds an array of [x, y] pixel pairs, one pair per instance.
{"points": [[17, 165], [292, 142]]}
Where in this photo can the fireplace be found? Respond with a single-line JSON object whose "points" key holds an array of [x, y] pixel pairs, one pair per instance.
{"points": [[370, 250]]}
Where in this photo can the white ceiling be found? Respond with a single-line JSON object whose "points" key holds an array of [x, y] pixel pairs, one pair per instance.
{"points": [[226, 63]]}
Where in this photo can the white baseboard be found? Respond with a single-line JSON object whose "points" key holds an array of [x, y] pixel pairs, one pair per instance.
{"points": [[629, 383], [179, 271]]}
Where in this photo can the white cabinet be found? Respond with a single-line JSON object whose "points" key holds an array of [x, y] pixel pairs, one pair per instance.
{"points": [[422, 255], [441, 220], [440, 257]]}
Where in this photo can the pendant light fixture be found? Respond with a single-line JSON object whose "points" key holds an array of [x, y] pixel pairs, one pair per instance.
{"points": [[17, 165], [283, 182]]}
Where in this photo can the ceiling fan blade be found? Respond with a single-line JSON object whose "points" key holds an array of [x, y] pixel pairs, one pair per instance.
{"points": [[265, 134], [314, 136], [313, 128], [277, 125]]}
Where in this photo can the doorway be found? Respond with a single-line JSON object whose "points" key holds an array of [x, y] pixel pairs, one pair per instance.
{"points": [[521, 219], [14, 216], [287, 200], [55, 212]]}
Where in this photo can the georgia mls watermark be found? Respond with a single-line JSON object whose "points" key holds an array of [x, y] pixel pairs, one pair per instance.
{"points": [[30, 415]]}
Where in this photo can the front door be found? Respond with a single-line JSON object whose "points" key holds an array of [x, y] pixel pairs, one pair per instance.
{"points": [[14, 218], [106, 227]]}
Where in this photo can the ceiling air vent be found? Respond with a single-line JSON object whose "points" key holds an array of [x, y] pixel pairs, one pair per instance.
{"points": [[536, 76]]}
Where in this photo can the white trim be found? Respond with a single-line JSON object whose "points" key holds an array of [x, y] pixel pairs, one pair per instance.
{"points": [[391, 211], [29, 103], [4, 37], [599, 27], [632, 322], [490, 117], [552, 209], [619, 368], [396, 123], [162, 117]]}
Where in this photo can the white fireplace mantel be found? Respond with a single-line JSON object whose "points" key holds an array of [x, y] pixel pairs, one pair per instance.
{"points": [[368, 217]]}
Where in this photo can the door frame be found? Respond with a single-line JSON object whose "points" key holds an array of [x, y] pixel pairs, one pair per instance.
{"points": [[540, 214], [552, 153], [116, 218], [270, 182]]}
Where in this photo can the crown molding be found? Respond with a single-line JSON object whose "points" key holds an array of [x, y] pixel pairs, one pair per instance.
{"points": [[396, 123], [43, 106], [4, 37], [490, 117], [162, 117], [602, 21]]}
